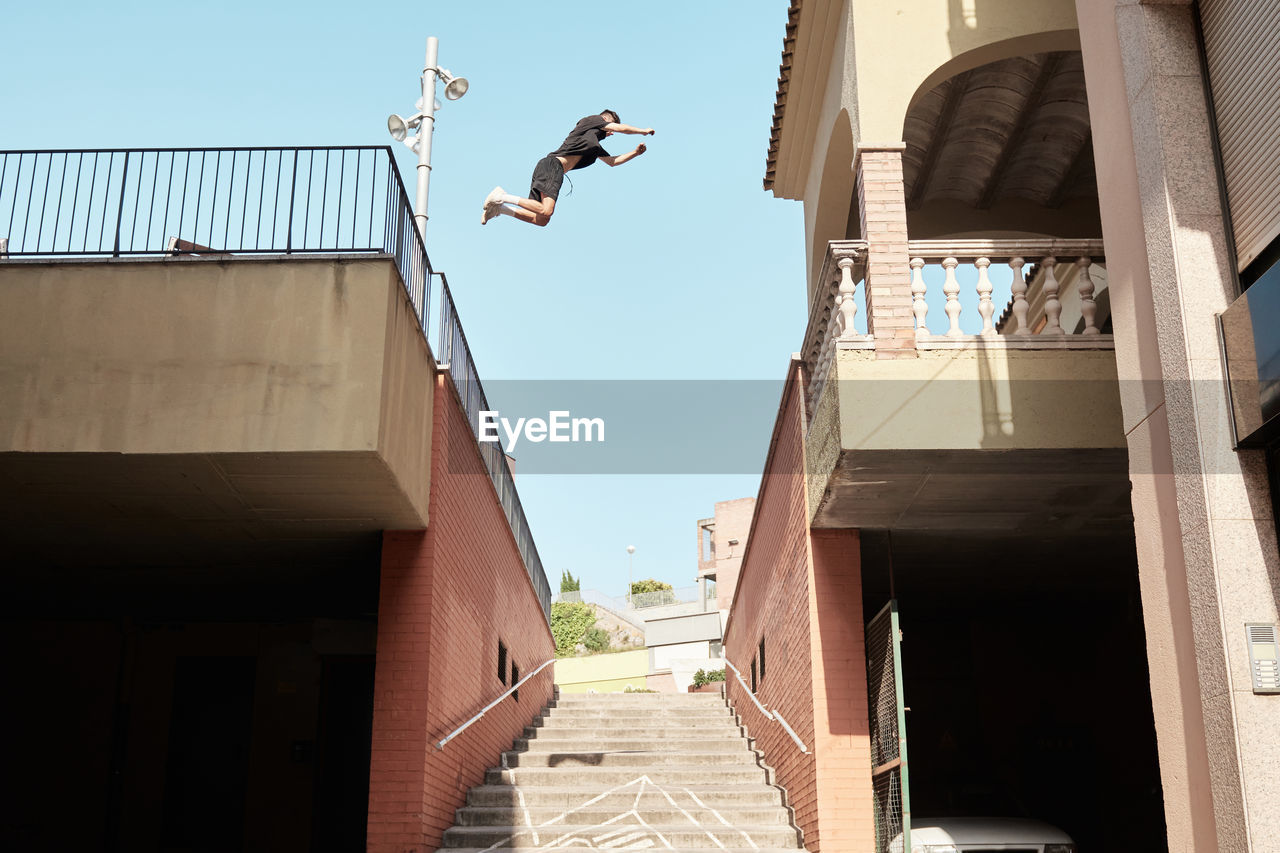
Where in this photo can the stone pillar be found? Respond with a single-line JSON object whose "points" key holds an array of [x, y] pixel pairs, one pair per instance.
{"points": [[841, 729], [882, 210], [1206, 546]]}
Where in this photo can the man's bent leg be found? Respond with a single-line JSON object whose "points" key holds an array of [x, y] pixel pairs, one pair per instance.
{"points": [[533, 212]]}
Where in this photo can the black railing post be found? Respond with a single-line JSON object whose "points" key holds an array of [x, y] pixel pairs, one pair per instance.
{"points": [[124, 180], [293, 189]]}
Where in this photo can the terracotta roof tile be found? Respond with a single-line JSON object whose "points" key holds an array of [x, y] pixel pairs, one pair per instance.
{"points": [[780, 100]]}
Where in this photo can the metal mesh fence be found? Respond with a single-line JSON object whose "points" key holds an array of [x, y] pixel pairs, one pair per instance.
{"points": [[892, 814], [882, 694], [887, 792]]}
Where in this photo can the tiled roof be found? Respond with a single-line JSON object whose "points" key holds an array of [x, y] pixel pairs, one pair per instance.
{"points": [[780, 101]]}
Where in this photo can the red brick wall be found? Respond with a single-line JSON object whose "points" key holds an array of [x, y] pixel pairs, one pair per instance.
{"points": [[448, 595], [772, 600], [801, 592], [882, 209], [842, 733]]}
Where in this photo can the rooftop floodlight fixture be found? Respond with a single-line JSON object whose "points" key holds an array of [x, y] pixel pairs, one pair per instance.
{"points": [[454, 87], [425, 123], [399, 127]]}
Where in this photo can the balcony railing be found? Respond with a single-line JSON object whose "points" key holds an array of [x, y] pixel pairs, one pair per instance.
{"points": [[1040, 271], [120, 203], [833, 312]]}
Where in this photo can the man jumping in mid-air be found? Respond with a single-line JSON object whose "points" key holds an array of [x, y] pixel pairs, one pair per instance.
{"points": [[579, 150]]}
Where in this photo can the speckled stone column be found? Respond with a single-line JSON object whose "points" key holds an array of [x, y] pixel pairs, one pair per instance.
{"points": [[1207, 555]]}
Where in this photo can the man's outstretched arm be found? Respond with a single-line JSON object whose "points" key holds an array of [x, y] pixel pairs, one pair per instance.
{"points": [[614, 127], [618, 160]]}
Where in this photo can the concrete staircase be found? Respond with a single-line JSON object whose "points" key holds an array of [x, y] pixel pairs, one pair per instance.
{"points": [[628, 772]]}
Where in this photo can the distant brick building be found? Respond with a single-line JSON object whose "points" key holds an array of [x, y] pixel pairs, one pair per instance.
{"points": [[722, 540]]}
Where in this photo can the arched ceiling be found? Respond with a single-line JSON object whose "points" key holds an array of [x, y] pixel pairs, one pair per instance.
{"points": [[1016, 128]]}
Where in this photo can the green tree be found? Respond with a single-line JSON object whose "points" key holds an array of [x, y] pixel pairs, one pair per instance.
{"points": [[649, 585], [703, 677], [568, 583], [569, 621]]}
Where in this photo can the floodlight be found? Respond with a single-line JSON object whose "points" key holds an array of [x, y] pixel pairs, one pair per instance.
{"points": [[399, 127], [454, 87]]}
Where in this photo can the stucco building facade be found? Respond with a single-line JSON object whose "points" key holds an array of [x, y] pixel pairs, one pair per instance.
{"points": [[1010, 424]]}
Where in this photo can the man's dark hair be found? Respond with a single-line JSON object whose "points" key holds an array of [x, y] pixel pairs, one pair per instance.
{"points": [[613, 113]]}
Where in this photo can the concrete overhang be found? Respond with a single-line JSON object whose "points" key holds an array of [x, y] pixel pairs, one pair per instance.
{"points": [[182, 412], [978, 439]]}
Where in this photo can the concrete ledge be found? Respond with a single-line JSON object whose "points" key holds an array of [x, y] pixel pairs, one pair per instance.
{"points": [[276, 396]]}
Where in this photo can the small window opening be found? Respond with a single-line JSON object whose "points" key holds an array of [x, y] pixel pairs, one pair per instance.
{"points": [[760, 655], [502, 662], [515, 679], [753, 675]]}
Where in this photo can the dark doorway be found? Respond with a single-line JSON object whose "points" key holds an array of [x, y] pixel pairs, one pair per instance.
{"points": [[1024, 669], [206, 775], [345, 734]]}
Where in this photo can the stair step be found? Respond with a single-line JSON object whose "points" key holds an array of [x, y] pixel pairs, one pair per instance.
{"points": [[608, 777], [623, 833], [634, 724], [726, 728], [600, 813], [640, 698], [630, 758], [589, 743], [521, 848], [641, 717], [669, 771], [730, 795]]}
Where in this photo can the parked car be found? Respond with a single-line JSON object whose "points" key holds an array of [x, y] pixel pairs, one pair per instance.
{"points": [[984, 835]]}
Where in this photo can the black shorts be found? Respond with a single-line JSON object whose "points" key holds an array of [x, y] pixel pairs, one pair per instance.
{"points": [[548, 175]]}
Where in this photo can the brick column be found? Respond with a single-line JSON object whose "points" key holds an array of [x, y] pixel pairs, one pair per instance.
{"points": [[882, 210], [837, 639], [397, 766]]}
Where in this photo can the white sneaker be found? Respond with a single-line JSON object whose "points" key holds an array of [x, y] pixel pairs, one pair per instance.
{"points": [[490, 212], [494, 197]]}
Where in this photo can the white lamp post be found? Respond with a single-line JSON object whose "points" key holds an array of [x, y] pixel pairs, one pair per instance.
{"points": [[425, 121], [631, 550]]}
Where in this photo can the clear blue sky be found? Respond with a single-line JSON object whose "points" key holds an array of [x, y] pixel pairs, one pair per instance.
{"points": [[677, 265]]}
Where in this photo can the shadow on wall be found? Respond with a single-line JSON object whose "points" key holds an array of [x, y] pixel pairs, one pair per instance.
{"points": [[970, 22]]}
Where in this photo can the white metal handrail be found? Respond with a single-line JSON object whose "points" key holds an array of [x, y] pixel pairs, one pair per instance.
{"points": [[772, 715], [460, 729]]}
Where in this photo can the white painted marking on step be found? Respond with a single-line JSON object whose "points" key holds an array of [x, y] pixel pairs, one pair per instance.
{"points": [[640, 793], [691, 818], [528, 819], [661, 837], [720, 817], [596, 799], [627, 830]]}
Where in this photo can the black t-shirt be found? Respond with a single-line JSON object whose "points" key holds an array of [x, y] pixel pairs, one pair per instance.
{"points": [[584, 141]]}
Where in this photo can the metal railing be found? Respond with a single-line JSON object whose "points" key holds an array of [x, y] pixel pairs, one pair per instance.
{"points": [[487, 708], [454, 355], [770, 715], [117, 203]]}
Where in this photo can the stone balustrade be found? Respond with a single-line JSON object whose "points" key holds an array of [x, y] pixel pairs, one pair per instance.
{"points": [[833, 312], [1031, 318], [1046, 257]]}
